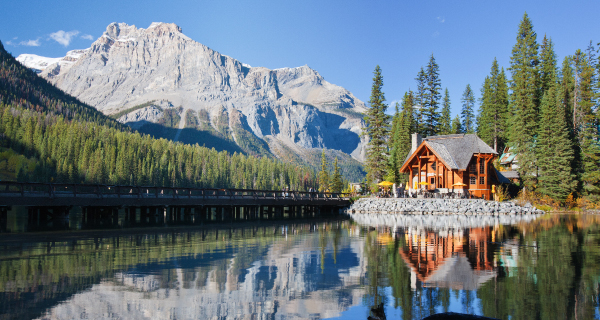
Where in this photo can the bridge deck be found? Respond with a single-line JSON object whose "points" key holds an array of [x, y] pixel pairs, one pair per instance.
{"points": [[46, 194]]}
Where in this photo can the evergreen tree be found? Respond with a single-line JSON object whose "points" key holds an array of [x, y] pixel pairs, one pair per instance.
{"points": [[585, 124], [590, 151], [584, 95], [524, 100], [493, 111], [457, 126], [468, 118], [408, 103], [566, 97], [554, 149], [392, 172], [420, 99], [336, 181], [395, 125], [403, 139], [445, 124], [431, 115], [376, 128], [548, 65]]}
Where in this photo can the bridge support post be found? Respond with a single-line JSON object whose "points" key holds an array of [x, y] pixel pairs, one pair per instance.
{"points": [[3, 218]]}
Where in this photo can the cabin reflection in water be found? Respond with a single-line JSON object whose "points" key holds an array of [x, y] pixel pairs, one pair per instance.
{"points": [[456, 259]]}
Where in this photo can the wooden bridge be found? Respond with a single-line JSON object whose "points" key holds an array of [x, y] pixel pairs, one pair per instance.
{"points": [[58, 194], [113, 205]]}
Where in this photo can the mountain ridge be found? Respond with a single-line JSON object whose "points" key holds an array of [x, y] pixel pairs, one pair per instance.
{"points": [[292, 109]]}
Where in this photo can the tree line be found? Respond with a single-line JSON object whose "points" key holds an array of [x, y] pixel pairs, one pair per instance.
{"points": [[49, 136], [546, 113]]}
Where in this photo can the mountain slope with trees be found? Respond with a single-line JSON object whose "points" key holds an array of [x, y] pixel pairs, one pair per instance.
{"points": [[49, 136]]}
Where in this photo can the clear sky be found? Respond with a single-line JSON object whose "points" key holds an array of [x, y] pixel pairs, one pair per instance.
{"points": [[342, 40]]}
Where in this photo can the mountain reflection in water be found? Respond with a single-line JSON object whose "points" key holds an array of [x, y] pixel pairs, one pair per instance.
{"points": [[536, 267]]}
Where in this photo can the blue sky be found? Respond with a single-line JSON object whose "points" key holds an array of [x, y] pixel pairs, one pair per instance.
{"points": [[342, 40]]}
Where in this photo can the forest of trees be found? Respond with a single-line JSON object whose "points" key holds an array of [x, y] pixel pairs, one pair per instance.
{"points": [[547, 114], [49, 136]]}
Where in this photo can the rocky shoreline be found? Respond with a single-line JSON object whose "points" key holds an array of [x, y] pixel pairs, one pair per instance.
{"points": [[440, 223], [440, 206]]}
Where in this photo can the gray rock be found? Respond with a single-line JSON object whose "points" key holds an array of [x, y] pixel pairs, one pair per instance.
{"points": [[291, 109]]}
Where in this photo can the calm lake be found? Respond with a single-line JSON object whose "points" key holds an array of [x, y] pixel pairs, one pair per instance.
{"points": [[545, 267]]}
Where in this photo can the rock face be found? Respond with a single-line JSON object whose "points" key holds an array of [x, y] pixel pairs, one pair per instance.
{"points": [[291, 109]]}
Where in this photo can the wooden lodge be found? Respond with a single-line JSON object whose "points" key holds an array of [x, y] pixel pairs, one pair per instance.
{"points": [[441, 163]]}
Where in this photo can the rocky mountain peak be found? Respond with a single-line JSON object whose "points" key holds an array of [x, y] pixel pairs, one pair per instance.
{"points": [[290, 109], [124, 32]]}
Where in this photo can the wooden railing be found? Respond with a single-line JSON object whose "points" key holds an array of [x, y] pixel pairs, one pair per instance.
{"points": [[64, 190]]}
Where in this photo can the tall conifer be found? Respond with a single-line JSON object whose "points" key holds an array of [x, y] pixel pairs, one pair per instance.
{"points": [[525, 99], [376, 128], [431, 115], [467, 115], [590, 157], [408, 103], [548, 65], [336, 180], [456, 125], [323, 174], [420, 99], [445, 124], [493, 111], [554, 150]]}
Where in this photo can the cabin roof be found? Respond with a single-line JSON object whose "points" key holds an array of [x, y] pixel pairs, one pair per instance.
{"points": [[456, 150]]}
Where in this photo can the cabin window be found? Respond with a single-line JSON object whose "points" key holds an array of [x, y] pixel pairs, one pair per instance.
{"points": [[481, 180], [433, 166], [482, 167], [473, 180], [474, 168], [432, 181]]}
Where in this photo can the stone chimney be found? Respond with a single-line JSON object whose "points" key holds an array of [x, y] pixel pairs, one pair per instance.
{"points": [[416, 142]]}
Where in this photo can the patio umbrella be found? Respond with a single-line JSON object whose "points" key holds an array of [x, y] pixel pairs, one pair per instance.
{"points": [[424, 183], [385, 184], [459, 184]]}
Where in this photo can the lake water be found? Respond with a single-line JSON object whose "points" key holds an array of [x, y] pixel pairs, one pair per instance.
{"points": [[544, 267]]}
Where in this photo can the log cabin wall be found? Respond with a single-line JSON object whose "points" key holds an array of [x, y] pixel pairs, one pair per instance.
{"points": [[442, 161]]}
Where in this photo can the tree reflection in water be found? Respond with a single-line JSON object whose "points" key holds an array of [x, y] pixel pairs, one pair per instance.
{"points": [[548, 269]]}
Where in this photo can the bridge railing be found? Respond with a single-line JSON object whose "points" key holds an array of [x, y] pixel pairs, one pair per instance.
{"points": [[51, 190]]}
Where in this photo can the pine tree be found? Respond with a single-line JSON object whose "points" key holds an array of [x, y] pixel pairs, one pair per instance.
{"points": [[457, 126], [445, 124], [584, 94], [548, 65], [484, 117], [392, 171], [554, 150], [323, 174], [395, 125], [493, 111], [408, 103], [585, 123], [405, 129], [590, 150], [468, 118], [403, 139], [376, 128], [336, 181], [431, 116], [419, 101], [525, 100]]}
